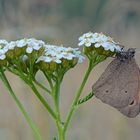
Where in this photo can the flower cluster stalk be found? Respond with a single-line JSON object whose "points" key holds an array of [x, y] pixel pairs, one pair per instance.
{"points": [[73, 107], [20, 106]]}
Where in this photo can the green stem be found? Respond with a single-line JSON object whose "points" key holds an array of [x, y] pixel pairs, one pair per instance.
{"points": [[41, 86], [43, 101], [40, 97], [78, 95], [59, 123], [55, 89], [49, 80], [27, 117], [61, 132], [56, 98]]}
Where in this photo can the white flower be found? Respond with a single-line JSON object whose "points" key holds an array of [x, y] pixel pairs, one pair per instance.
{"points": [[2, 53], [21, 43], [29, 49], [2, 56], [49, 59], [3, 42], [108, 46], [99, 40], [30, 44], [33, 44], [57, 60], [86, 39], [86, 35], [11, 45], [45, 59], [3, 49], [100, 37], [57, 53], [67, 55]]}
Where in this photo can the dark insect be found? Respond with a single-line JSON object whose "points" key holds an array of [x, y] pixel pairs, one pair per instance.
{"points": [[119, 85]]}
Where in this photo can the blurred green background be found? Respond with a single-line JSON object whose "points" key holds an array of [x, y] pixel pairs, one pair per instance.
{"points": [[62, 22]]}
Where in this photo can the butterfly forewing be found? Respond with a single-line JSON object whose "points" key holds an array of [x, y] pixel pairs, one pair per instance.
{"points": [[118, 85]]}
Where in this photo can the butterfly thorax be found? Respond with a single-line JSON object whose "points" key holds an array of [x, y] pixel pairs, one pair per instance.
{"points": [[126, 55]]}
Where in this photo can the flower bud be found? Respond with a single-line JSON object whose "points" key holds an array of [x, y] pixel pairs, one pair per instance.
{"points": [[3, 63]]}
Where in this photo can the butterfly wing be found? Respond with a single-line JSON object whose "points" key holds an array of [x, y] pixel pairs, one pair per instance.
{"points": [[133, 109], [118, 85], [130, 111]]}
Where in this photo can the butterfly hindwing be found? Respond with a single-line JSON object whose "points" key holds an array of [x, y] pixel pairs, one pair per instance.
{"points": [[133, 109]]}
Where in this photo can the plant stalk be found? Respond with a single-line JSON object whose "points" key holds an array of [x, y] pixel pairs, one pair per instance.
{"points": [[19, 104], [43, 101], [73, 106]]}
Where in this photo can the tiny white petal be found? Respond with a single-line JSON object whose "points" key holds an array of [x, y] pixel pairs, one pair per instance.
{"points": [[2, 57], [36, 47], [59, 56], [88, 44], [2, 51], [29, 49], [97, 45], [57, 61], [48, 59], [21, 43], [4, 42], [11, 45], [81, 43]]}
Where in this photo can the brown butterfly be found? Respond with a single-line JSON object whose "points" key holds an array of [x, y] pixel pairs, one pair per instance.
{"points": [[119, 85]]}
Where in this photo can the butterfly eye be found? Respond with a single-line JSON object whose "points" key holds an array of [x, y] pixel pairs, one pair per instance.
{"points": [[126, 91]]}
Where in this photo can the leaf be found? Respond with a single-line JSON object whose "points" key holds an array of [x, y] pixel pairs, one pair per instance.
{"points": [[85, 99]]}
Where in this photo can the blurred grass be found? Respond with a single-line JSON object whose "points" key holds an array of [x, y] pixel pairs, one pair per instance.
{"points": [[62, 22]]}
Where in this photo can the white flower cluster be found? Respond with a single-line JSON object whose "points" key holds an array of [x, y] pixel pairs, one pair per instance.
{"points": [[57, 53], [3, 49], [51, 52], [99, 40], [30, 44]]}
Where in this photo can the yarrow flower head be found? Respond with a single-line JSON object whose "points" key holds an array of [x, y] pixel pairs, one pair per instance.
{"points": [[30, 44], [99, 40], [30, 55], [21, 53], [23, 46], [101, 43], [61, 56]]}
